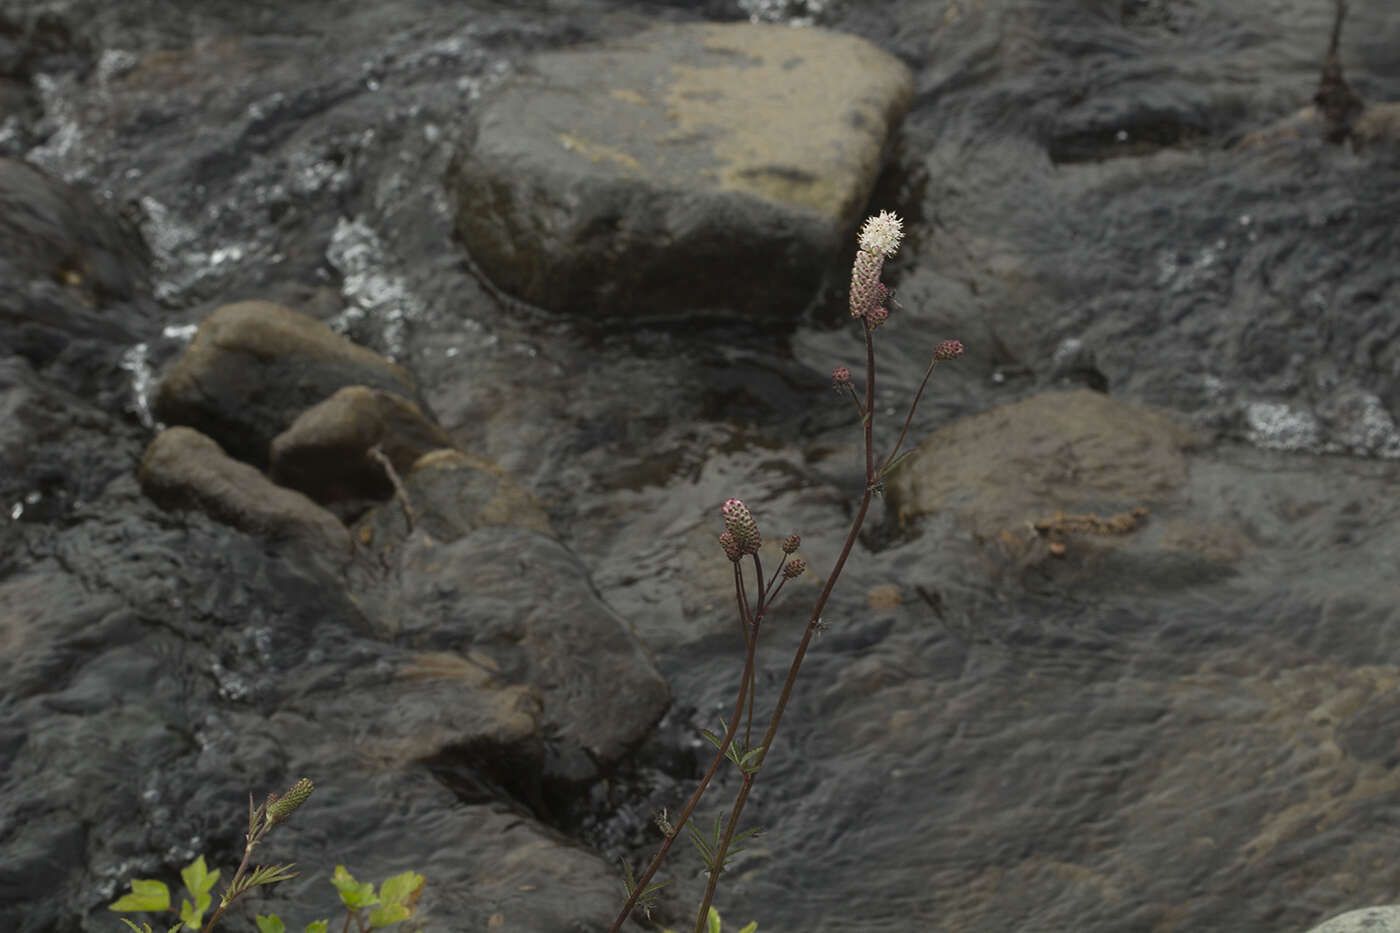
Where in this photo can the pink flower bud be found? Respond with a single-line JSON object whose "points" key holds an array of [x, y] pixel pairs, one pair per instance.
{"points": [[731, 547], [794, 568], [840, 376], [865, 282], [791, 543], [738, 520], [948, 350], [877, 316]]}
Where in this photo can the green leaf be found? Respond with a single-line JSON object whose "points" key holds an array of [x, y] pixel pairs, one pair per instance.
{"points": [[270, 924], [753, 925], [318, 927], [398, 889], [747, 764], [714, 740], [387, 915], [199, 880], [145, 895], [707, 853], [143, 928], [353, 894], [713, 921]]}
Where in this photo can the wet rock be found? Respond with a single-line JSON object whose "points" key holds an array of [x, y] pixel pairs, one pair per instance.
{"points": [[449, 710], [690, 167], [56, 449], [253, 367], [326, 451], [1366, 920], [524, 601], [183, 469], [452, 494], [57, 232]]}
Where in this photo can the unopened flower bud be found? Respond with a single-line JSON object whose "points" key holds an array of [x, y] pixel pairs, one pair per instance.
{"points": [[794, 568], [877, 316], [279, 808], [866, 289], [948, 350], [791, 543], [731, 547], [840, 376], [738, 520], [881, 234]]}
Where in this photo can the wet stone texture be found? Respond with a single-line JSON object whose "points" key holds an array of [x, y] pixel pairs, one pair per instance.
{"points": [[1118, 650]]}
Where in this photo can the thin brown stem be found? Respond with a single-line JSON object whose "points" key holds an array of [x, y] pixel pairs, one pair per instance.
{"points": [[776, 719], [251, 840], [730, 731], [910, 416]]}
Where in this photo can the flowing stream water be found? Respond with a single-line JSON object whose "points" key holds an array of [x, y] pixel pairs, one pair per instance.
{"points": [[973, 745]]}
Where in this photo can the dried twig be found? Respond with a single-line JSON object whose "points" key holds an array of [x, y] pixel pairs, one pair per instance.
{"points": [[400, 493]]}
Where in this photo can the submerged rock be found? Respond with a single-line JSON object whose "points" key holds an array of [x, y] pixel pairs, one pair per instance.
{"points": [[1073, 451], [691, 167]]}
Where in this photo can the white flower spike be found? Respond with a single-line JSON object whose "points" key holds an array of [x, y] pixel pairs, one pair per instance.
{"points": [[881, 234]]}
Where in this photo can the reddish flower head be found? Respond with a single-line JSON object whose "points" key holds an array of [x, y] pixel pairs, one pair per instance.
{"points": [[738, 521]]}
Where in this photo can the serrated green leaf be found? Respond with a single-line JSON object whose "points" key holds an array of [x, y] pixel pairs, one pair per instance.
{"points": [[198, 878], [398, 889], [318, 926], [713, 739], [270, 924], [189, 916], [712, 921], [145, 895], [353, 894], [388, 915]]}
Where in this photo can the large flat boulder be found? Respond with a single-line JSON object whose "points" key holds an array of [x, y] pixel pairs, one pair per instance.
{"points": [[690, 167]]}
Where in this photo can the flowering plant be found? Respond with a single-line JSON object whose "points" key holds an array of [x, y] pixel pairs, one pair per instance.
{"points": [[740, 540], [393, 903]]}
